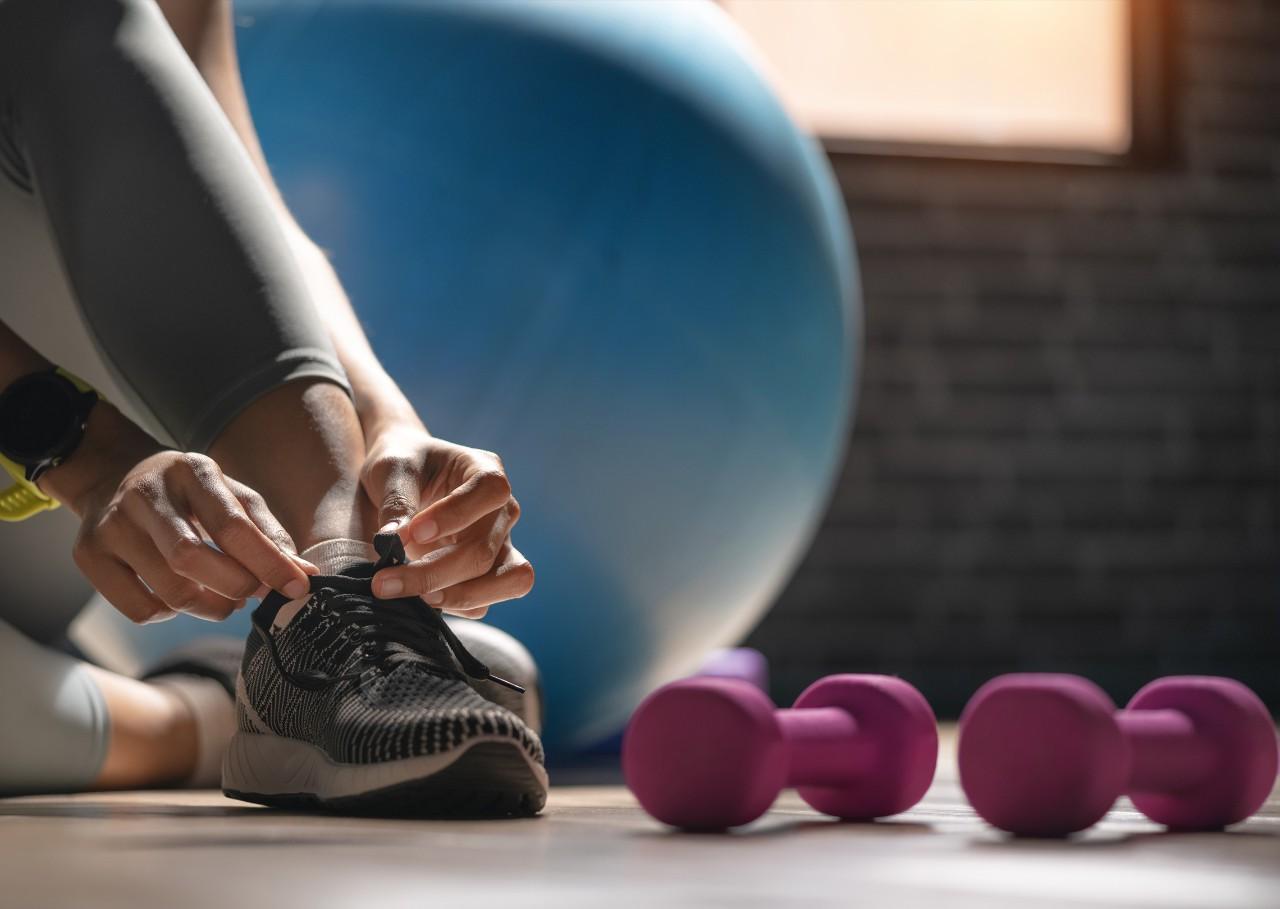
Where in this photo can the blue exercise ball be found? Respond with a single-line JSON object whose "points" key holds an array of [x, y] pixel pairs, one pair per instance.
{"points": [[586, 236]]}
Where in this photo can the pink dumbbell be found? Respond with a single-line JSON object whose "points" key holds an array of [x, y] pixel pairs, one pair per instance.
{"points": [[711, 753], [1048, 755]]}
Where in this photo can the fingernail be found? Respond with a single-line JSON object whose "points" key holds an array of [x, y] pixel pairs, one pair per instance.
{"points": [[389, 587], [295, 589], [305, 565], [435, 597], [391, 526], [426, 532]]}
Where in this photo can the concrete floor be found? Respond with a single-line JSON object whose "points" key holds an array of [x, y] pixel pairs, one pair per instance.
{"points": [[593, 847]]}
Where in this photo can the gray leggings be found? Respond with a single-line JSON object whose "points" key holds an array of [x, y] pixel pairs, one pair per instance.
{"points": [[139, 249]]}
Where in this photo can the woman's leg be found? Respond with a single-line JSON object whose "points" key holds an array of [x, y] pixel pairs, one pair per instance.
{"points": [[70, 726], [191, 296], [176, 257]]}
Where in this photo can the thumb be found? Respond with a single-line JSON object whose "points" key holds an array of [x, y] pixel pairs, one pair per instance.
{"points": [[399, 498]]}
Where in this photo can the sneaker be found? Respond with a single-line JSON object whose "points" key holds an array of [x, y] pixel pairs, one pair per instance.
{"points": [[366, 706]]}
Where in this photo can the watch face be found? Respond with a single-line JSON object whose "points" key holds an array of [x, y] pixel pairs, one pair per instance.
{"points": [[37, 417]]}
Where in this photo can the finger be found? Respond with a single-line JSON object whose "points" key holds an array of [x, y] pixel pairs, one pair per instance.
{"points": [[181, 594], [121, 587], [510, 579], [223, 518], [472, 556], [396, 485], [482, 492], [255, 506], [183, 549]]}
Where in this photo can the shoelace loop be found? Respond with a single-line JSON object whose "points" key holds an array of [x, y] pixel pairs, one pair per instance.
{"points": [[390, 631]]}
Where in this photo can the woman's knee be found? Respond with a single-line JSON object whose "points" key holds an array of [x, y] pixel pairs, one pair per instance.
{"points": [[54, 717]]}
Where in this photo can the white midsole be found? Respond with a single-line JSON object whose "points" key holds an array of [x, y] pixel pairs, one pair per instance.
{"points": [[265, 764]]}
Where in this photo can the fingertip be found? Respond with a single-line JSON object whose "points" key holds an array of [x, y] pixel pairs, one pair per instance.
{"points": [[425, 530]]}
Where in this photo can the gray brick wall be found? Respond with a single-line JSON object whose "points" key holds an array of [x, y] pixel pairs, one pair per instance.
{"points": [[1067, 452]]}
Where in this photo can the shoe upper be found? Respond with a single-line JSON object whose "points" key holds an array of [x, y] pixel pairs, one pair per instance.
{"points": [[367, 680]]}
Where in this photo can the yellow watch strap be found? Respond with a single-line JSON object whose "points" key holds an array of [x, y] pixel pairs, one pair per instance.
{"points": [[24, 499]]}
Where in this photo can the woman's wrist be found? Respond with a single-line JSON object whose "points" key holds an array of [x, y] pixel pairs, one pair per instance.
{"points": [[111, 446], [386, 411]]}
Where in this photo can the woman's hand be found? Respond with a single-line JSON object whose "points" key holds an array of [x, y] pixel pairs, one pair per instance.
{"points": [[143, 510], [453, 508]]}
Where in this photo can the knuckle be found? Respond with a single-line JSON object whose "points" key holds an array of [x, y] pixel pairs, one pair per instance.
{"points": [[250, 496], [112, 521], [396, 502], [180, 594], [142, 492], [185, 553], [194, 461], [513, 509], [424, 581], [495, 482], [231, 527], [483, 557]]}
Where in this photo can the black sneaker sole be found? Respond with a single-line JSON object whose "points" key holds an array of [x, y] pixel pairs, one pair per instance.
{"points": [[488, 780]]}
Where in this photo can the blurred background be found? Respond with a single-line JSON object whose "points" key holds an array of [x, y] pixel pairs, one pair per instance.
{"points": [[1067, 446]]}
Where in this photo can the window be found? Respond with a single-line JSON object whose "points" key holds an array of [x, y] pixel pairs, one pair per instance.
{"points": [[1054, 79]]}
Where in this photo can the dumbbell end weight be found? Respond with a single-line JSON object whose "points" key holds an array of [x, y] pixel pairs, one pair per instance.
{"points": [[705, 753], [1040, 754], [1219, 771]]}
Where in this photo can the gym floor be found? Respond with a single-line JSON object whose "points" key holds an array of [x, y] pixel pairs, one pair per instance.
{"points": [[594, 846]]}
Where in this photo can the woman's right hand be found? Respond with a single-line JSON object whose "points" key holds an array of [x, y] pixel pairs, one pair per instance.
{"points": [[143, 509]]}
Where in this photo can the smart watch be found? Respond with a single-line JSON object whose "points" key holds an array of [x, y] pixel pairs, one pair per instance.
{"points": [[42, 421]]}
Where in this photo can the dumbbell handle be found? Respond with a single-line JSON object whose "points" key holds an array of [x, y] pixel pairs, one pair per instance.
{"points": [[825, 747], [1167, 752]]}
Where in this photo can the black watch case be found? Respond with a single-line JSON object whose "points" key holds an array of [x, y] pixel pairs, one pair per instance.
{"points": [[42, 420]]}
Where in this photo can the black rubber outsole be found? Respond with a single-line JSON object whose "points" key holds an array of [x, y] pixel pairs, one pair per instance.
{"points": [[489, 780]]}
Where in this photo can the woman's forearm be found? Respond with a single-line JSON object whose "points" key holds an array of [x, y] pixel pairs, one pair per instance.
{"points": [[378, 399]]}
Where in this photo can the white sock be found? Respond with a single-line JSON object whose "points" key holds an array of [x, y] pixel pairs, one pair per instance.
{"points": [[331, 557], [215, 718]]}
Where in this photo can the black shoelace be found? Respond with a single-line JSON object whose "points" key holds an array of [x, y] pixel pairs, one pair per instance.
{"points": [[388, 631]]}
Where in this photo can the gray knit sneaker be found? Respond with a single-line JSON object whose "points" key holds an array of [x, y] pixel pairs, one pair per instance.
{"points": [[367, 706]]}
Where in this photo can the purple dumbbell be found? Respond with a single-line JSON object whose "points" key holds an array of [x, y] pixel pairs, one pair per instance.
{"points": [[711, 753], [1048, 755]]}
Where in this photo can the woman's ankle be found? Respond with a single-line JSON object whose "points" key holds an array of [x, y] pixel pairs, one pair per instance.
{"points": [[153, 734]]}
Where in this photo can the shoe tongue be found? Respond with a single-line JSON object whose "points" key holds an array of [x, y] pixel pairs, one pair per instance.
{"points": [[331, 557]]}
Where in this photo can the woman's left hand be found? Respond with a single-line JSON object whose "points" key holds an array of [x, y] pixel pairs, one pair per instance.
{"points": [[454, 510]]}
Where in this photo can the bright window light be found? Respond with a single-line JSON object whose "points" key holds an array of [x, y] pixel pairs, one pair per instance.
{"points": [[1035, 74]]}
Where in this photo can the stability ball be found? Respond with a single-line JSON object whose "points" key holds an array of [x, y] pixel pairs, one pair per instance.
{"points": [[586, 236]]}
